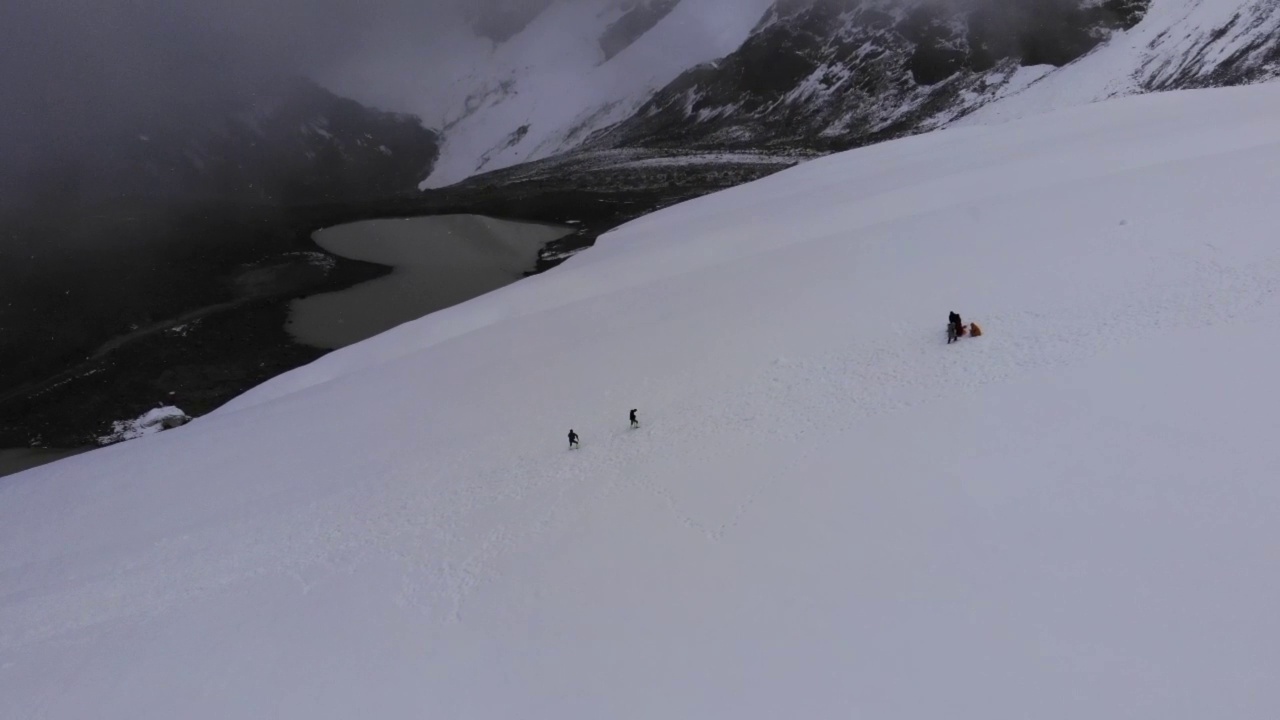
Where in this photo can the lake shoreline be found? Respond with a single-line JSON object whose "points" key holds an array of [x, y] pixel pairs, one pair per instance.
{"points": [[16, 460], [437, 261], [232, 351]]}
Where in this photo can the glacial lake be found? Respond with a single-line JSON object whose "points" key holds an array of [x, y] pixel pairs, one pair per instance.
{"points": [[438, 261], [15, 460]]}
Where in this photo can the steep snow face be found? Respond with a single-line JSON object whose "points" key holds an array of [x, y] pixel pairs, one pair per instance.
{"points": [[577, 67], [826, 512], [1178, 44]]}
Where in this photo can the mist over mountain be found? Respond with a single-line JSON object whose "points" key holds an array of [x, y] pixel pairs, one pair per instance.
{"points": [[84, 78]]}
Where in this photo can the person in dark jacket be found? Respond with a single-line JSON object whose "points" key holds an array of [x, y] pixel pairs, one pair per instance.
{"points": [[634, 422], [955, 328], [573, 439]]}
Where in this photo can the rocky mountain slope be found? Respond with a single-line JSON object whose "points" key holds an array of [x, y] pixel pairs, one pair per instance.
{"points": [[835, 74], [821, 75]]}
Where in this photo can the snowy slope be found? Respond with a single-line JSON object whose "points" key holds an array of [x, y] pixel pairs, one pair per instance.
{"points": [[828, 512], [1178, 44], [547, 88]]}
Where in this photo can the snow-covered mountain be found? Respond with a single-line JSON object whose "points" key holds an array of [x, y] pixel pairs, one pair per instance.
{"points": [[826, 512], [1179, 44], [828, 74], [576, 67], [819, 75]]}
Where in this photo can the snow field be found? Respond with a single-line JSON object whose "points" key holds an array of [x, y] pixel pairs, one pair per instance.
{"points": [[827, 511]]}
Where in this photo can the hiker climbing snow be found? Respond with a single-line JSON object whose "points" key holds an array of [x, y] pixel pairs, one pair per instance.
{"points": [[573, 439], [955, 328], [634, 422]]}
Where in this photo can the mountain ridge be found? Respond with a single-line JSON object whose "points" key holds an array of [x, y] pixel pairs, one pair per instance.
{"points": [[825, 75]]}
